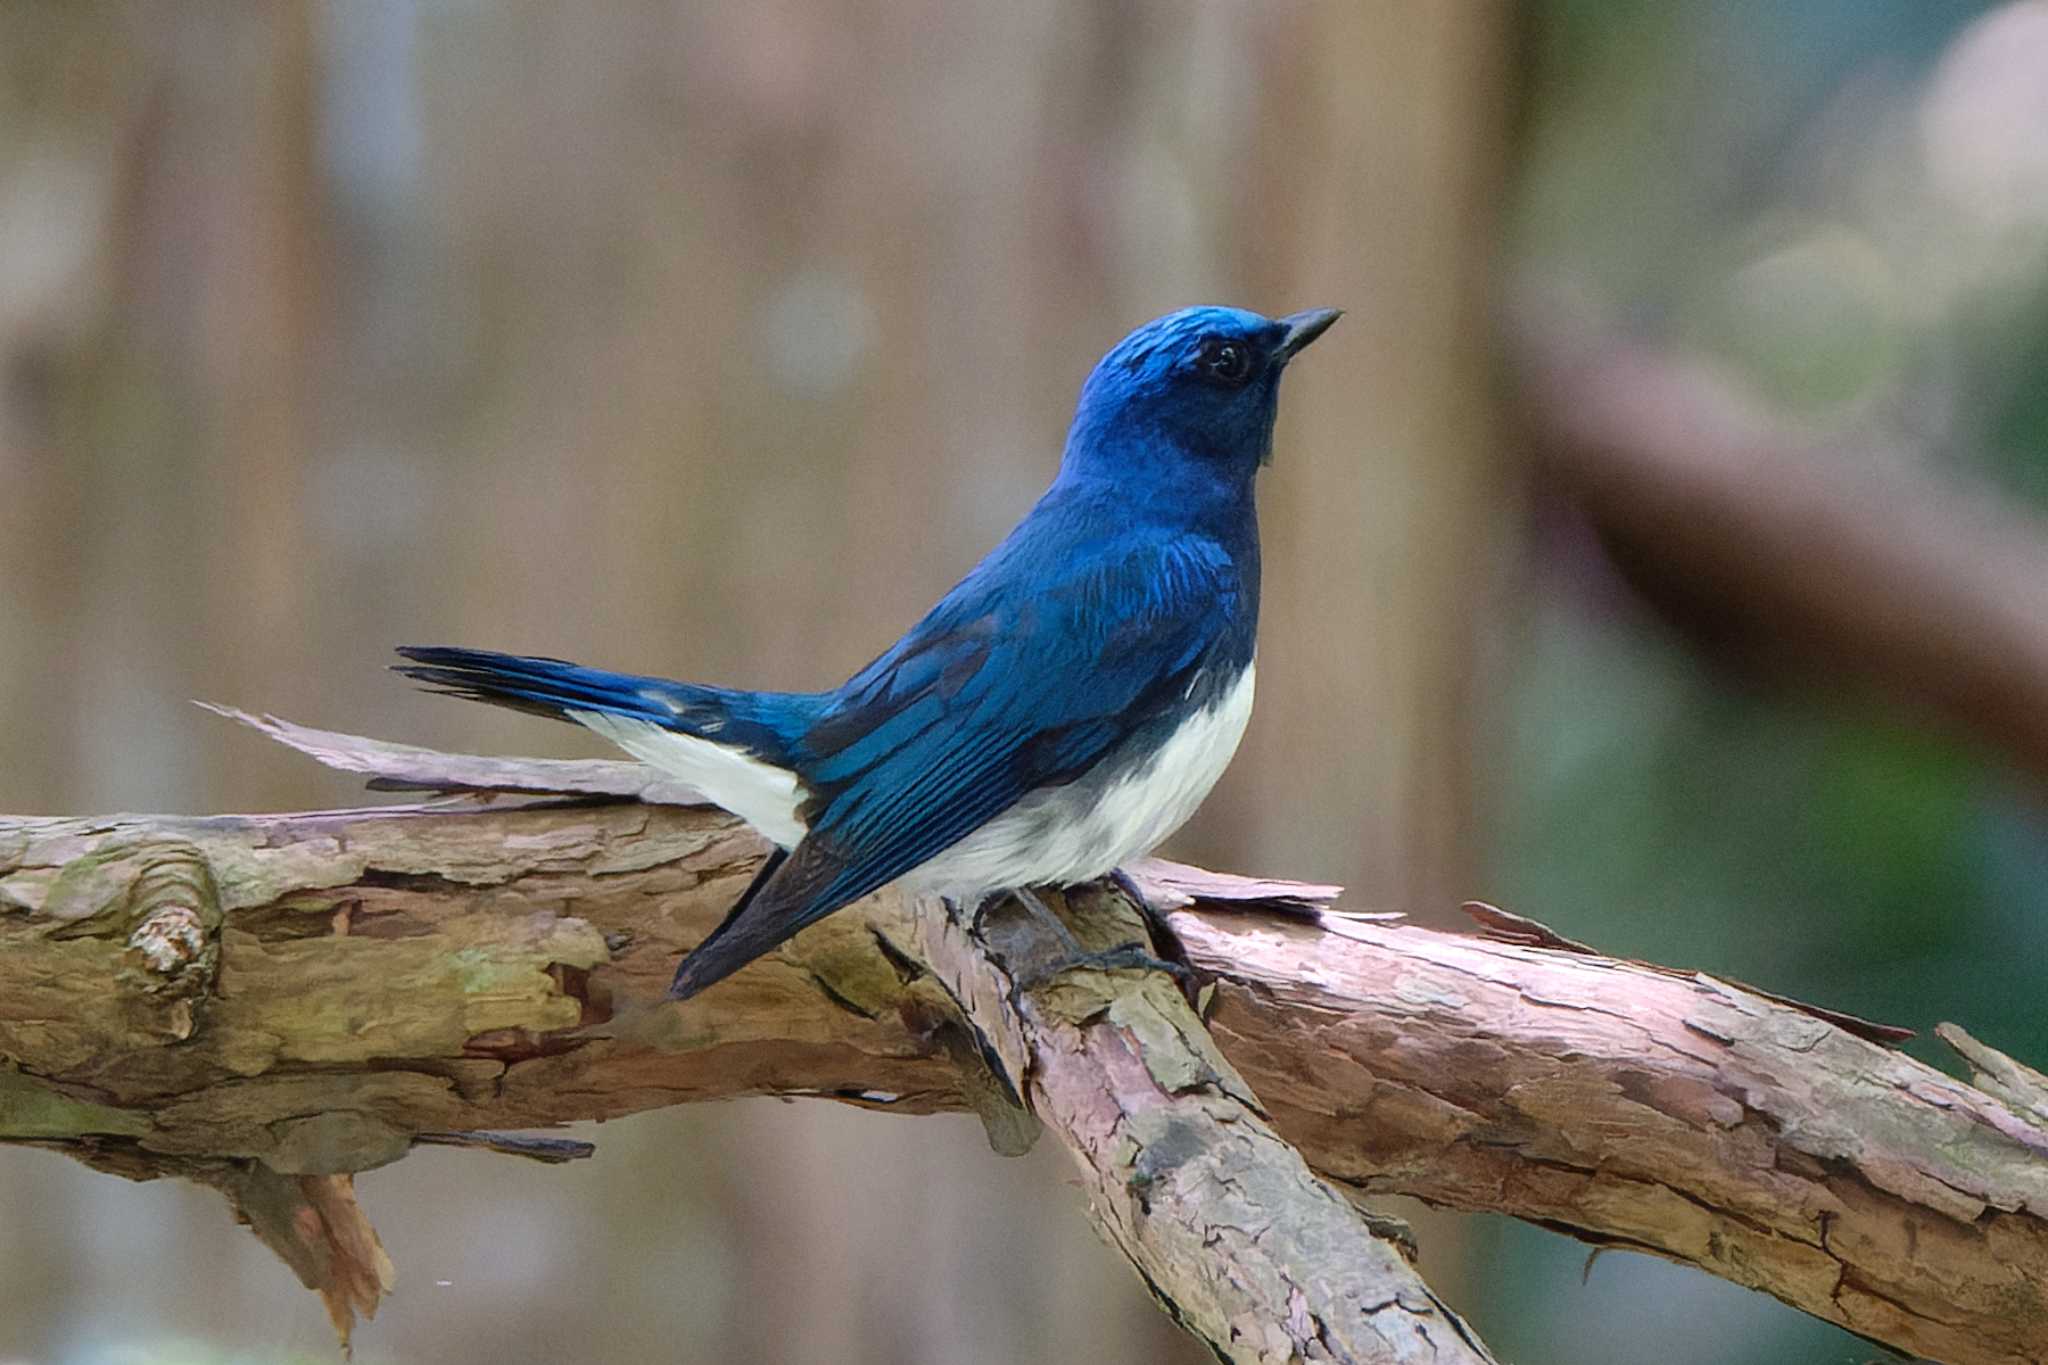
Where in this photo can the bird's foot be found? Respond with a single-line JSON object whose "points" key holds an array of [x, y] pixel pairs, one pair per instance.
{"points": [[1070, 956], [1132, 956], [1045, 918]]}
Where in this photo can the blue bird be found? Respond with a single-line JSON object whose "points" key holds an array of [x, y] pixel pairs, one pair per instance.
{"points": [[1061, 711]]}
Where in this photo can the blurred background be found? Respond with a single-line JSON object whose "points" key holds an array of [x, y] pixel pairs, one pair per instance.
{"points": [[1654, 549]]}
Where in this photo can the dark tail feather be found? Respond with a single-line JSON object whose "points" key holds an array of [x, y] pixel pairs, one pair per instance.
{"points": [[695, 971], [781, 900], [790, 890], [765, 724], [545, 687]]}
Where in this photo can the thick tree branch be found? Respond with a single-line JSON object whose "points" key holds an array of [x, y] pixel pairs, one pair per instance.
{"points": [[299, 997], [302, 997]]}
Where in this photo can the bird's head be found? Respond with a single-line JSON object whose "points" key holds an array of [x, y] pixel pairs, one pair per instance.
{"points": [[1193, 392]]}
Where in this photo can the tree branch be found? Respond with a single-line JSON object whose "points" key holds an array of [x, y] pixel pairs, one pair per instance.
{"points": [[1659, 1111], [299, 997], [1224, 1221]]}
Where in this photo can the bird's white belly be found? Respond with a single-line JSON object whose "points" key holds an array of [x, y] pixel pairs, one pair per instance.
{"points": [[1055, 838]]}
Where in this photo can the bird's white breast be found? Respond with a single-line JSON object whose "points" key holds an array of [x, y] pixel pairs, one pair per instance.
{"points": [[1063, 835]]}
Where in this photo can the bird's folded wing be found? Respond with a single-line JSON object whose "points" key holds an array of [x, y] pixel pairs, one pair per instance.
{"points": [[967, 716], [993, 695]]}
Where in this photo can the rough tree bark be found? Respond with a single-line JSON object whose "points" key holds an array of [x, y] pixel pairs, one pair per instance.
{"points": [[273, 1003]]}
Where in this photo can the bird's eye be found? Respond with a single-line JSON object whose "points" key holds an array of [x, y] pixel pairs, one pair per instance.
{"points": [[1225, 362]]}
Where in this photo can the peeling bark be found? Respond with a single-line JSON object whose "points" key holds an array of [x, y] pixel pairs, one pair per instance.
{"points": [[1661, 1112], [294, 998], [312, 1222]]}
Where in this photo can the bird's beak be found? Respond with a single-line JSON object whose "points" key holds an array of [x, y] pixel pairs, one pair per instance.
{"points": [[1302, 328]]}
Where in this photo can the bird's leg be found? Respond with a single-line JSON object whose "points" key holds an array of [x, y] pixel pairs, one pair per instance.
{"points": [[1126, 883], [1129, 886], [1133, 955], [1050, 922], [1154, 917]]}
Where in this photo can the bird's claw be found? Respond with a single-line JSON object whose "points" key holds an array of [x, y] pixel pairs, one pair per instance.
{"points": [[1132, 956]]}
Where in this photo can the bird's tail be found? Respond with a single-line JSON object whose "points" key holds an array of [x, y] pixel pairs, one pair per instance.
{"points": [[735, 747], [630, 709], [556, 688]]}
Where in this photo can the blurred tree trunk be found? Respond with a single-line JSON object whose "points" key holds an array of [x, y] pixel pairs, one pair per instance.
{"points": [[1389, 504], [717, 340]]}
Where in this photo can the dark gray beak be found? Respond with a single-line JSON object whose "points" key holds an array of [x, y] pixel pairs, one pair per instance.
{"points": [[1302, 328]]}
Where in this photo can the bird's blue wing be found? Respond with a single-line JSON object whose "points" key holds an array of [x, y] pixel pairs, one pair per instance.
{"points": [[962, 722], [995, 694]]}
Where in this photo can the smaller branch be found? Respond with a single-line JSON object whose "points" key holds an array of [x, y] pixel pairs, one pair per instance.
{"points": [[391, 767], [1234, 1235], [315, 1224], [1649, 1109]]}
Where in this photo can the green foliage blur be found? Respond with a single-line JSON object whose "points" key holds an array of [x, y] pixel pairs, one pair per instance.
{"points": [[1845, 205]]}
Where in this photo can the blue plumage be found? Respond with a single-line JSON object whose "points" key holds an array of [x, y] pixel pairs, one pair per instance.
{"points": [[766, 724], [1057, 712]]}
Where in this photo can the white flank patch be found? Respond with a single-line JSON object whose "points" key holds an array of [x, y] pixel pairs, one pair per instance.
{"points": [[761, 794], [1047, 839]]}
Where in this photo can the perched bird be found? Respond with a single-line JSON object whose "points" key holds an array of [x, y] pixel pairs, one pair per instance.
{"points": [[1061, 711]]}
